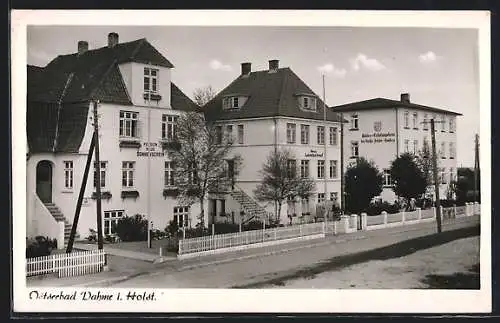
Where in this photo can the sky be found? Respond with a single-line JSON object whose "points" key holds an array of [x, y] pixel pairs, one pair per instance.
{"points": [[436, 66]]}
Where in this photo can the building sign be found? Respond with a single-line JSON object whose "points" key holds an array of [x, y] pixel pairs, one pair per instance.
{"points": [[313, 153], [377, 137], [151, 149]]}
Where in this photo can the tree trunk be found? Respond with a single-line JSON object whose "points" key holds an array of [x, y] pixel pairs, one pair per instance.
{"points": [[279, 213], [202, 212]]}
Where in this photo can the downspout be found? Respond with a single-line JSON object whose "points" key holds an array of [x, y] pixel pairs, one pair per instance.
{"points": [[397, 133]]}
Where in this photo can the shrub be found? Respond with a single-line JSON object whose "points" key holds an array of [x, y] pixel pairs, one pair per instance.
{"points": [[376, 208], [39, 246], [132, 228], [252, 225], [158, 234]]}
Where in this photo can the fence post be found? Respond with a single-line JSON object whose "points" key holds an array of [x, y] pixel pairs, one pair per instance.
{"points": [[334, 227], [419, 213], [183, 233], [403, 216], [384, 214], [441, 212], [476, 211], [354, 217], [213, 228], [364, 221], [454, 211], [263, 229], [240, 226], [60, 238]]}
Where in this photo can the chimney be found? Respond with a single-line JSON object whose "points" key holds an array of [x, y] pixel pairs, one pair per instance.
{"points": [[405, 97], [112, 39], [83, 46], [246, 68], [274, 64]]}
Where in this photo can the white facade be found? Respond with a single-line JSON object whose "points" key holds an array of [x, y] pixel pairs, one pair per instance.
{"points": [[383, 134]]}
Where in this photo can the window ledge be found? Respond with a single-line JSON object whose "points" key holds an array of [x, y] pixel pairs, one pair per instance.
{"points": [[151, 96], [67, 191], [354, 129], [129, 194], [130, 143], [406, 127], [104, 195], [415, 128]]}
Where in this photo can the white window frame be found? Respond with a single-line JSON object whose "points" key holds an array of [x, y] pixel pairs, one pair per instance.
{"points": [[291, 133], [320, 135], [443, 150], [354, 149], [426, 121], [387, 180], [443, 123], [128, 172], [291, 168], [168, 175], [129, 124], [415, 146], [231, 102], [333, 169], [321, 198], [182, 216], [241, 134], [452, 124], [320, 167], [168, 126], [406, 147], [103, 169], [151, 75], [229, 132], [68, 174], [415, 120], [452, 150], [407, 119], [304, 134], [334, 196], [451, 174], [111, 217], [354, 121], [218, 135], [304, 168], [333, 136]]}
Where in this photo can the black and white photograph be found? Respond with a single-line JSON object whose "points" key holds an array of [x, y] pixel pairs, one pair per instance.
{"points": [[232, 161]]}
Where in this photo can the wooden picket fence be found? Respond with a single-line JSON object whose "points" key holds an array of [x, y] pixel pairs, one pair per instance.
{"points": [[67, 265]]}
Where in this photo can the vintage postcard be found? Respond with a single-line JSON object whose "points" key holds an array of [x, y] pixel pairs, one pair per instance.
{"points": [[251, 161]]}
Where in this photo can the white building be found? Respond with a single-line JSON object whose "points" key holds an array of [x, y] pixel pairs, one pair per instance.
{"points": [[381, 130], [274, 109], [137, 108]]}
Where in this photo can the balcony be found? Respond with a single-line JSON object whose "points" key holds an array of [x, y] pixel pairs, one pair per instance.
{"points": [[151, 96]]}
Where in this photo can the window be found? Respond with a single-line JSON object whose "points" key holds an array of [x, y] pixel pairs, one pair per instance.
{"points": [[354, 122], [387, 178], [321, 135], [291, 168], [218, 135], [102, 168], [406, 146], [240, 134], [304, 134], [168, 127], [452, 124], [354, 149], [305, 102], [334, 196], [290, 133], [415, 147], [192, 174], [308, 103], [407, 120], [426, 125], [434, 117], [443, 176], [229, 133], [443, 123], [290, 201], [321, 198], [181, 216], [415, 120], [333, 169], [129, 124], [305, 206], [128, 174], [68, 174], [442, 152], [230, 103], [169, 174], [304, 168], [150, 80], [451, 175], [333, 136], [321, 169], [111, 219], [452, 150]]}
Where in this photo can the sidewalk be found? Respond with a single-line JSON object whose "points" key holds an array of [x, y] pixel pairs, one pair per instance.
{"points": [[123, 267]]}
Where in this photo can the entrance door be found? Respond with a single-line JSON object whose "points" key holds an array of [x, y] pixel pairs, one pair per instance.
{"points": [[44, 181]]}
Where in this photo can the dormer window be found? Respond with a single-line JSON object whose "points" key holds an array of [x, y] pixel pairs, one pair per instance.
{"points": [[307, 103], [231, 103], [150, 80]]}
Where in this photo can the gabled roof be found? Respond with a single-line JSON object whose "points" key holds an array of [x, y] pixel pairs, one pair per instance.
{"points": [[381, 103], [269, 94], [77, 78]]}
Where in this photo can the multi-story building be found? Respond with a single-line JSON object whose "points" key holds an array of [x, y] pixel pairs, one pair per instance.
{"points": [[273, 109], [380, 130], [130, 83]]}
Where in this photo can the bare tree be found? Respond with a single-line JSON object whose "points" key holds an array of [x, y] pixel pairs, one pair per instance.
{"points": [[202, 96], [201, 160], [280, 180]]}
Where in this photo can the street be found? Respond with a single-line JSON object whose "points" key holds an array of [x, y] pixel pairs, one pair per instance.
{"points": [[276, 269]]}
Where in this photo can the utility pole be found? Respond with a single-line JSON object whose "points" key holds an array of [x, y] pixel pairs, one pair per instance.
{"points": [[325, 211], [435, 176], [98, 177], [69, 247], [341, 163], [476, 168]]}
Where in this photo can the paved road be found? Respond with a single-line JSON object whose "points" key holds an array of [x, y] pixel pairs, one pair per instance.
{"points": [[255, 272]]}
